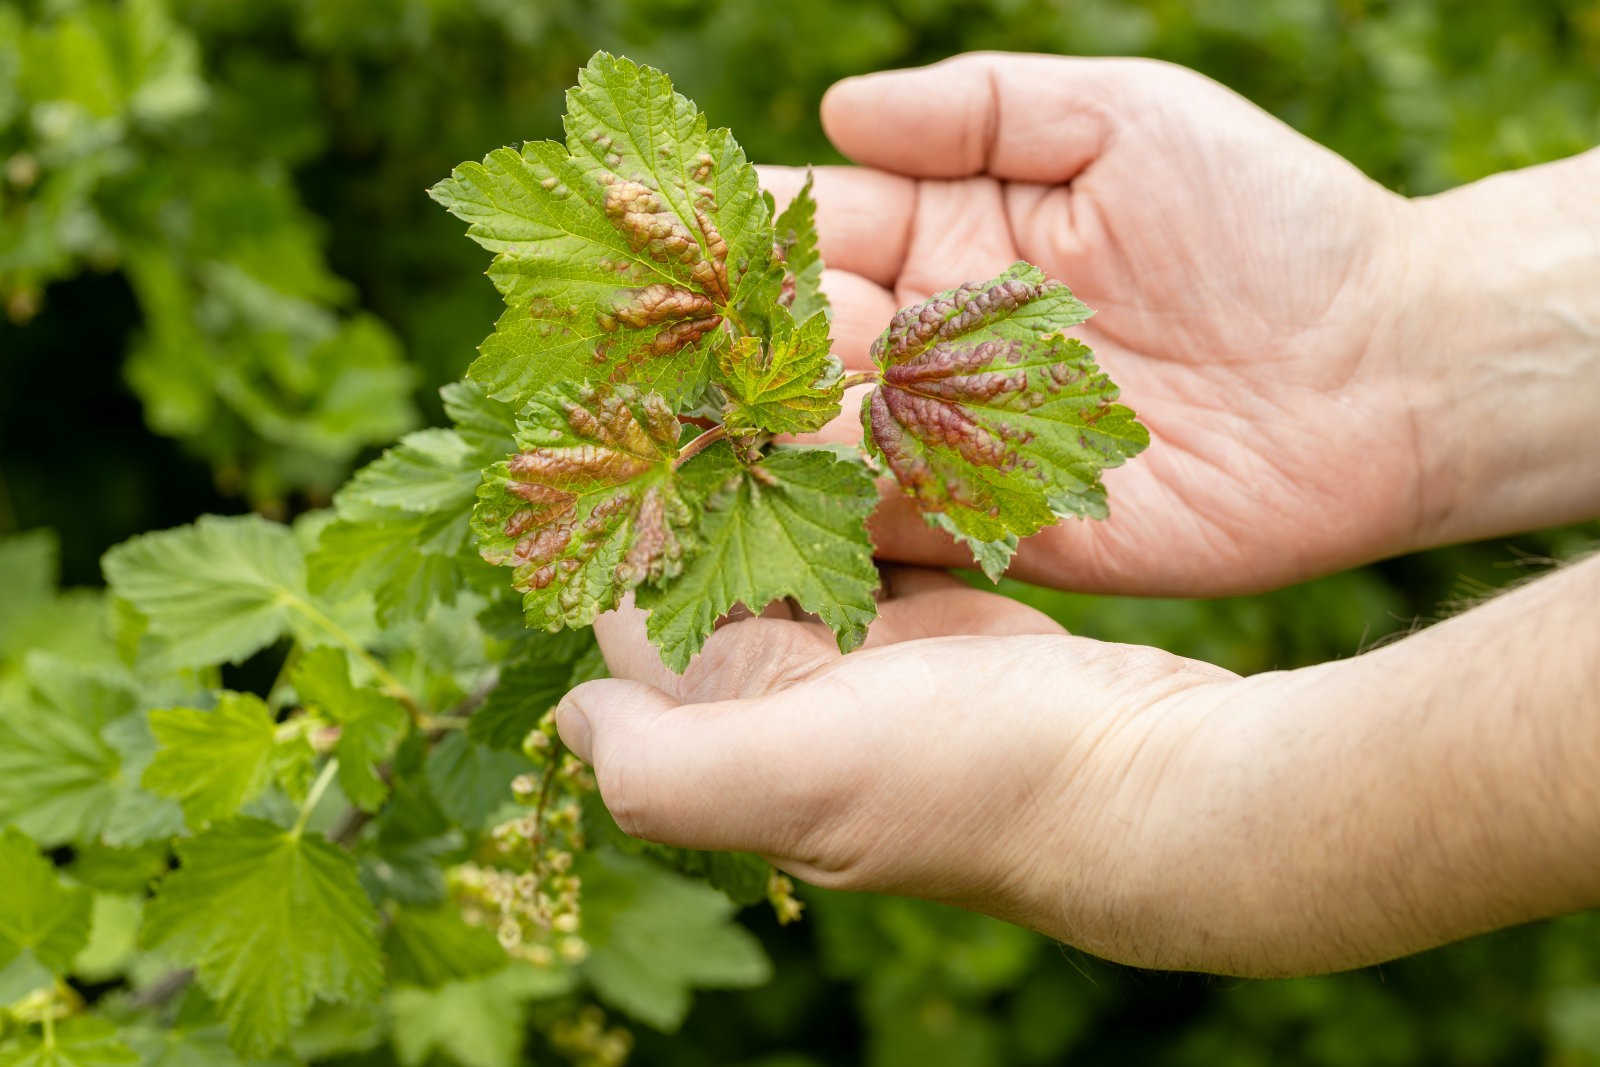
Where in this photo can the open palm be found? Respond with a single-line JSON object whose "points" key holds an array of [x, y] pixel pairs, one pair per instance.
{"points": [[1238, 272]]}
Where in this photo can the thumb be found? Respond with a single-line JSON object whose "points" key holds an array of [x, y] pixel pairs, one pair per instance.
{"points": [[1017, 117], [737, 774]]}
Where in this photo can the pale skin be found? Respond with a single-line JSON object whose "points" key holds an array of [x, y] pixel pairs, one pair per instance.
{"points": [[1331, 374]]}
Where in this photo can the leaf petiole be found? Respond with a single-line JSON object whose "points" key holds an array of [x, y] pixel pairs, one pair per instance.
{"points": [[314, 797], [699, 444]]}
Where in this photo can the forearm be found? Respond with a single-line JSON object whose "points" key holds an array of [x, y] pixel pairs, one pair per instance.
{"points": [[1497, 340], [1429, 790]]}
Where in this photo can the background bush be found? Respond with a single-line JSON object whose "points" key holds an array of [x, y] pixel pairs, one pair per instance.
{"points": [[222, 288]]}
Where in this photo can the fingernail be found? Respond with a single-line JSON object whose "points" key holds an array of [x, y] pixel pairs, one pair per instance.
{"points": [[572, 722]]}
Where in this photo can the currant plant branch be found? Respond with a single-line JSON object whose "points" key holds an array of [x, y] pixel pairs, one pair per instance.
{"points": [[635, 423], [651, 284]]}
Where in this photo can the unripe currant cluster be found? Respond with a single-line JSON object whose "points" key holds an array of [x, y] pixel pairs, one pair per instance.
{"points": [[521, 884], [780, 894], [587, 1041]]}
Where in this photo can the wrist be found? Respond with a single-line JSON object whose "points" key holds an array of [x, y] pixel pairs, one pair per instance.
{"points": [[1496, 344], [1356, 811]]}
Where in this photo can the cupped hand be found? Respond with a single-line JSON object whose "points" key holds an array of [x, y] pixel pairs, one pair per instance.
{"points": [[973, 752], [1240, 275]]}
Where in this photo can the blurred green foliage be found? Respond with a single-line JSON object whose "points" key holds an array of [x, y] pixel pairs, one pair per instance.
{"points": [[222, 281]]}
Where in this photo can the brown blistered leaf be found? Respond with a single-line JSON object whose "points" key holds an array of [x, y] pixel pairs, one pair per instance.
{"points": [[589, 506], [992, 419], [621, 252]]}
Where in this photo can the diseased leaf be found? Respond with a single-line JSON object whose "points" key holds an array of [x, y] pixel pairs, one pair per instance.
{"points": [[789, 384], [212, 762], [794, 525], [589, 506], [271, 921], [43, 923], [620, 253], [370, 723], [989, 415], [796, 231], [219, 590]]}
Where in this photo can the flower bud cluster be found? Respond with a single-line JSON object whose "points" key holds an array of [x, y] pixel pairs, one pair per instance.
{"points": [[588, 1042], [780, 894], [521, 884]]}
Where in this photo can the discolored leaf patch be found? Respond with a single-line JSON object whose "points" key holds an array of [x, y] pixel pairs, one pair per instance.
{"points": [[992, 419], [621, 252], [589, 507]]}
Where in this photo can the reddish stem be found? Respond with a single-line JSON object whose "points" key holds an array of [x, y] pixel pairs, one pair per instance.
{"points": [[699, 444]]}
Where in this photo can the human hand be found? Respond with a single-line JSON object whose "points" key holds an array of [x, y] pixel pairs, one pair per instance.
{"points": [[1269, 311], [1151, 809], [972, 752]]}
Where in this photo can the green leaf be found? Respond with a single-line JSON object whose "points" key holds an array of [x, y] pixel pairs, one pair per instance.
{"points": [[407, 562], [487, 425], [430, 470], [796, 231], [28, 569], [270, 920], [403, 532], [43, 923], [471, 782], [219, 590], [118, 870], [529, 687], [789, 384], [72, 749], [589, 507], [212, 762], [429, 947], [989, 415], [621, 252], [199, 1045], [742, 876], [81, 1042], [479, 1022], [655, 935], [370, 723], [113, 938], [992, 557], [792, 526], [403, 527]]}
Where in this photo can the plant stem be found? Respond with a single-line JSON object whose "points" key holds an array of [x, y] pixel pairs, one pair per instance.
{"points": [[699, 444], [318, 787], [859, 377], [49, 1022]]}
